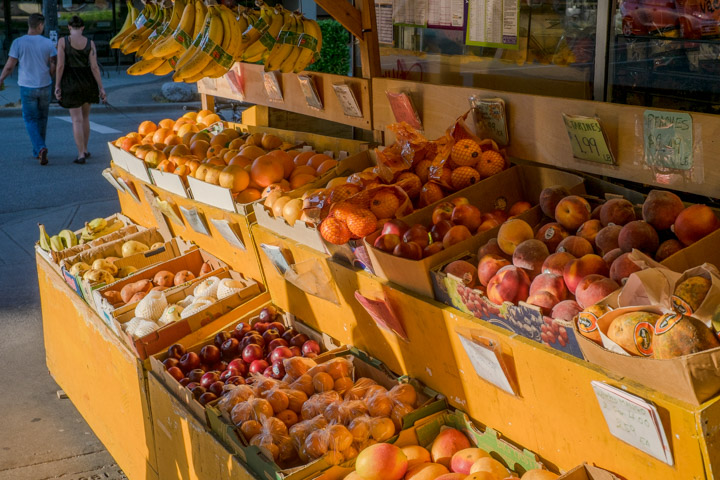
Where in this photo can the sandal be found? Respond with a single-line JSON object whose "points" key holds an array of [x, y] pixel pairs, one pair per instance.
{"points": [[87, 154], [80, 160]]}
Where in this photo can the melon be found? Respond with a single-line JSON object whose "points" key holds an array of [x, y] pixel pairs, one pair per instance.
{"points": [[677, 335], [689, 294], [633, 332]]}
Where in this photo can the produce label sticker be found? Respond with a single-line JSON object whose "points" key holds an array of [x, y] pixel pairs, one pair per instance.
{"points": [[588, 139], [491, 119], [196, 220], [668, 139], [112, 180], [229, 232], [383, 314], [493, 23], [633, 420], [485, 359]]}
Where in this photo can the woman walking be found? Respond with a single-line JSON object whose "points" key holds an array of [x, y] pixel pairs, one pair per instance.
{"points": [[78, 82]]}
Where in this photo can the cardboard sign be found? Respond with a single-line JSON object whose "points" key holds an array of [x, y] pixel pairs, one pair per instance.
{"points": [[229, 232], [307, 85], [129, 187], [486, 359], [491, 119], [403, 109], [347, 100], [383, 315], [112, 180], [633, 420], [196, 220], [588, 139], [272, 87], [277, 257], [668, 139]]}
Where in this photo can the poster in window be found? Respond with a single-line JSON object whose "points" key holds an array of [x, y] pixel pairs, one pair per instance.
{"points": [[447, 14], [493, 23]]}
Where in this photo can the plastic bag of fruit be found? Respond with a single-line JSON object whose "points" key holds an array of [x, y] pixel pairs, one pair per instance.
{"points": [[295, 367], [274, 438], [234, 396], [345, 411], [316, 404], [300, 431], [334, 443]]}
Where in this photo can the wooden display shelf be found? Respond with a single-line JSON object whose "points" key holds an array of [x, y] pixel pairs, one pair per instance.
{"points": [[556, 413], [242, 261], [104, 380]]}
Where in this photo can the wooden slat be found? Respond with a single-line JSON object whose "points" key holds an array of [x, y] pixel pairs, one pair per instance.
{"points": [[346, 14], [538, 134], [369, 44]]}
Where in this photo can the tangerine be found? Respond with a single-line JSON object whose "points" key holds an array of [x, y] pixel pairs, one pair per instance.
{"points": [[384, 204], [166, 123], [491, 162], [147, 127], [335, 231], [362, 222], [465, 152], [464, 177]]}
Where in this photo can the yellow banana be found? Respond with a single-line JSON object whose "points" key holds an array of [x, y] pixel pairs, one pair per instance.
{"points": [[255, 52], [198, 39], [145, 66], [128, 25], [201, 57], [310, 43], [201, 12], [133, 41], [285, 44], [180, 38], [288, 65], [44, 241], [240, 24], [163, 31], [163, 69], [195, 78], [222, 59], [253, 33]]}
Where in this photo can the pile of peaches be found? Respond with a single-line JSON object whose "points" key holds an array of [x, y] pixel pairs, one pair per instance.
{"points": [[582, 254], [249, 165]]}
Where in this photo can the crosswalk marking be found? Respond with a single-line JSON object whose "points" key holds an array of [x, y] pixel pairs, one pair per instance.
{"points": [[95, 127]]}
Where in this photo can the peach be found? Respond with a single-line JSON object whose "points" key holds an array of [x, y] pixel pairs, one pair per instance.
{"points": [[490, 465], [498, 215], [617, 211], [468, 215], [549, 282], [489, 266], [594, 288], [530, 255], [491, 248], [572, 211], [456, 234], [581, 267], [487, 224], [589, 230], [667, 248], [622, 267], [596, 212], [545, 300], [638, 234], [416, 455], [612, 255], [510, 284], [451, 476], [695, 222], [661, 208], [551, 235], [512, 233], [518, 208], [465, 271], [566, 310], [426, 471], [482, 476], [550, 197], [575, 246], [448, 442], [464, 459], [381, 461], [607, 239], [556, 262], [537, 474]]}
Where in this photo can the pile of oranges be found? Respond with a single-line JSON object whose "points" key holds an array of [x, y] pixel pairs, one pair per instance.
{"points": [[251, 166]]}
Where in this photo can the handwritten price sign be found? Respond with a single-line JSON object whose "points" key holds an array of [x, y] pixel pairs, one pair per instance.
{"points": [[668, 139], [588, 139]]}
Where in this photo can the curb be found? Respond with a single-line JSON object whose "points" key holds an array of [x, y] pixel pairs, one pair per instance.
{"points": [[17, 111]]}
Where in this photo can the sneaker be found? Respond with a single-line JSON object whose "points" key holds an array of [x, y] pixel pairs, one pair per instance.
{"points": [[80, 160], [43, 156]]}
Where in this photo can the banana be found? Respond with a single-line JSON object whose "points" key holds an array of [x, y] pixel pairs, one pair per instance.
{"points": [[68, 238], [240, 24], [91, 232], [180, 38], [163, 69], [44, 240], [145, 66], [128, 25], [190, 51], [253, 33], [257, 49], [96, 225], [310, 43], [133, 41], [222, 59], [285, 44], [201, 58], [56, 244], [201, 12], [288, 65]]}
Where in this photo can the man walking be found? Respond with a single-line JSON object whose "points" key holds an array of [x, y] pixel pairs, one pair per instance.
{"points": [[37, 58]]}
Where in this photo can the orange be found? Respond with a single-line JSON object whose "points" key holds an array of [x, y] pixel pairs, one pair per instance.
{"points": [[304, 157], [464, 177], [187, 138], [146, 127], [237, 143], [148, 139], [202, 114], [179, 123], [326, 166], [335, 231], [214, 150], [187, 127], [465, 152], [220, 139], [160, 134], [285, 159], [172, 139], [166, 123], [210, 119], [228, 155], [240, 160], [318, 159], [199, 148], [491, 162], [248, 195], [201, 136], [231, 133], [384, 204], [191, 116]]}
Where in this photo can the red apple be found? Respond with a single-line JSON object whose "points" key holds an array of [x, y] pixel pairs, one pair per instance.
{"points": [[196, 375], [311, 346], [252, 339], [443, 211], [206, 397], [216, 388], [241, 329], [409, 250], [298, 340], [230, 349], [176, 351], [387, 242], [277, 370], [260, 327], [209, 378], [176, 373], [418, 234], [220, 338], [198, 391], [460, 201], [268, 314], [189, 361], [184, 381], [209, 354], [280, 353], [278, 326], [467, 215], [268, 372], [394, 226], [251, 353], [270, 334], [235, 381], [170, 362], [219, 366], [230, 372], [289, 334], [239, 366], [278, 342], [258, 366]]}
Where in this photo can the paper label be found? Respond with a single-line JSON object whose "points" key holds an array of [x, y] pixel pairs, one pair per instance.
{"points": [[277, 257], [668, 139], [112, 180], [446, 14], [487, 365], [410, 12], [403, 109], [633, 420], [195, 219], [588, 139], [229, 232], [493, 23], [384, 21], [491, 119], [587, 322], [666, 322], [643, 338], [383, 314], [129, 187], [272, 86], [347, 100]]}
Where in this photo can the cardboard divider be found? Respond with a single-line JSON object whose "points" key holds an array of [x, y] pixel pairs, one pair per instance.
{"points": [[521, 182], [117, 157], [168, 334], [588, 472]]}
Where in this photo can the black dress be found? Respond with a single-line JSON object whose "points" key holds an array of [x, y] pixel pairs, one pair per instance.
{"points": [[78, 84]]}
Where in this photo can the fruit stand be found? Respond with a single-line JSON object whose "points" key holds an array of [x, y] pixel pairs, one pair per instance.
{"points": [[415, 311]]}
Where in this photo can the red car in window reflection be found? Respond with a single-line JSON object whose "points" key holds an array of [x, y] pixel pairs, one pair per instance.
{"points": [[692, 18]]}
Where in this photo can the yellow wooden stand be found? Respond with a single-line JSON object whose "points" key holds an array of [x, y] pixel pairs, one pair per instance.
{"points": [[555, 414], [104, 380]]}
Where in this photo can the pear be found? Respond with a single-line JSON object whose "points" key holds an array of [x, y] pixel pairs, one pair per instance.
{"points": [[79, 268], [157, 245], [131, 247], [125, 271], [103, 264]]}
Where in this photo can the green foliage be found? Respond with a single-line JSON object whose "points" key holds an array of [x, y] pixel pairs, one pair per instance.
{"points": [[335, 53]]}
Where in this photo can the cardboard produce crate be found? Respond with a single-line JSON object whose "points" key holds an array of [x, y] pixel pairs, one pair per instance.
{"points": [[521, 182], [587, 472], [171, 182], [130, 163]]}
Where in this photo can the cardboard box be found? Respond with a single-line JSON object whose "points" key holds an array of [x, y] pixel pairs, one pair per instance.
{"points": [[587, 472], [430, 402], [191, 259], [521, 182], [229, 322], [130, 163], [169, 334], [118, 156], [170, 182]]}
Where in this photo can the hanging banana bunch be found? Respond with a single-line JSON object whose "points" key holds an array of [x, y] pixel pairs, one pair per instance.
{"points": [[128, 26]]}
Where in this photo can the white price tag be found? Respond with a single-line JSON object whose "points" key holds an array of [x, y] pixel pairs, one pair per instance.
{"points": [[228, 232], [196, 220], [487, 364], [633, 420]]}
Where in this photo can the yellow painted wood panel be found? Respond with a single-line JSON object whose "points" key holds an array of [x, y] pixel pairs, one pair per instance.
{"points": [[186, 449], [102, 378]]}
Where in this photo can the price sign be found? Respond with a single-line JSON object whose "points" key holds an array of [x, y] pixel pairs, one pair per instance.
{"points": [[196, 220], [383, 314], [347, 100], [633, 420], [485, 358], [588, 139], [113, 181], [668, 139], [229, 232], [491, 119]]}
